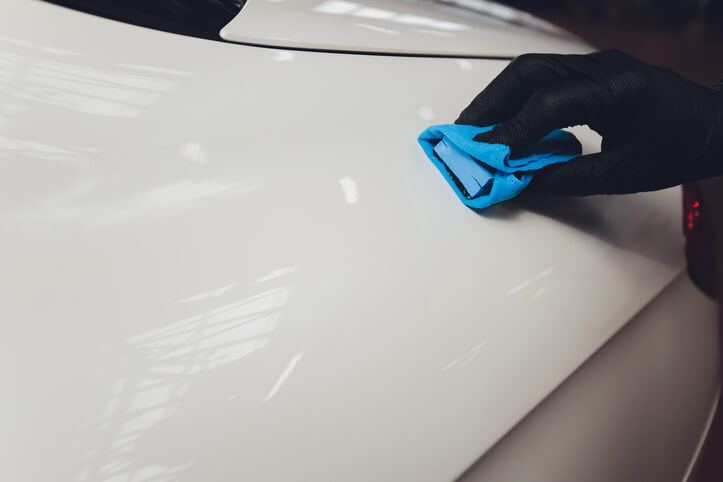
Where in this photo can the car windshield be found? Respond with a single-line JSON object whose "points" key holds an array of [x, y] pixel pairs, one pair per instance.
{"points": [[197, 18]]}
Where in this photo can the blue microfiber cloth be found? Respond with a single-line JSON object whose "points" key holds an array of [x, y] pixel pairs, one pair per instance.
{"points": [[484, 174]]}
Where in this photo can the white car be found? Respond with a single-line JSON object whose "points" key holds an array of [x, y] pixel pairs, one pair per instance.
{"points": [[225, 258]]}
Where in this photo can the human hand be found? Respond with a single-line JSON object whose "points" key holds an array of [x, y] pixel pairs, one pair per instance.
{"points": [[658, 129]]}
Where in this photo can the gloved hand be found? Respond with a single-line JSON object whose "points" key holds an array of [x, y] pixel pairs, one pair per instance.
{"points": [[658, 129]]}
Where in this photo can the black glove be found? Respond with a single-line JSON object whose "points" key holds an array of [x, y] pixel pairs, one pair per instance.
{"points": [[658, 129]]}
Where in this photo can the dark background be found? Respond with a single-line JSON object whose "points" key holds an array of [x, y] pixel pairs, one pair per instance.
{"points": [[683, 35]]}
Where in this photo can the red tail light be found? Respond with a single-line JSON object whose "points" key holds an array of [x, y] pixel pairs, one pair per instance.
{"points": [[699, 240]]}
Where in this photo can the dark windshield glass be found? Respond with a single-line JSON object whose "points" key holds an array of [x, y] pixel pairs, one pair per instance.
{"points": [[197, 18]]}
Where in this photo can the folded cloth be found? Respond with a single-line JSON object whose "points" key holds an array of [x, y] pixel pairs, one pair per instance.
{"points": [[484, 174]]}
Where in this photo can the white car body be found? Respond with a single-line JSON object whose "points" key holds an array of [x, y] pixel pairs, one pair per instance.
{"points": [[229, 262]]}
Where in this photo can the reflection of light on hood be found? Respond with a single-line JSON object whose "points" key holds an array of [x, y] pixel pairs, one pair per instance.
{"points": [[284, 56], [526, 283], [338, 7], [426, 113], [155, 69], [284, 376], [23, 147], [465, 64], [434, 32], [351, 192], [218, 336], [464, 359], [277, 273], [377, 29], [377, 13], [206, 294], [122, 91], [193, 152], [506, 14], [72, 206], [168, 361], [84, 89]]}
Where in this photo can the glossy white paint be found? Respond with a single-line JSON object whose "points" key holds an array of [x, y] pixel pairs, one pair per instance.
{"points": [[449, 27], [228, 263], [657, 379]]}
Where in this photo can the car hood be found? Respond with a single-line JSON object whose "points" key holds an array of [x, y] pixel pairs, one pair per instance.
{"points": [[233, 263], [451, 27]]}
